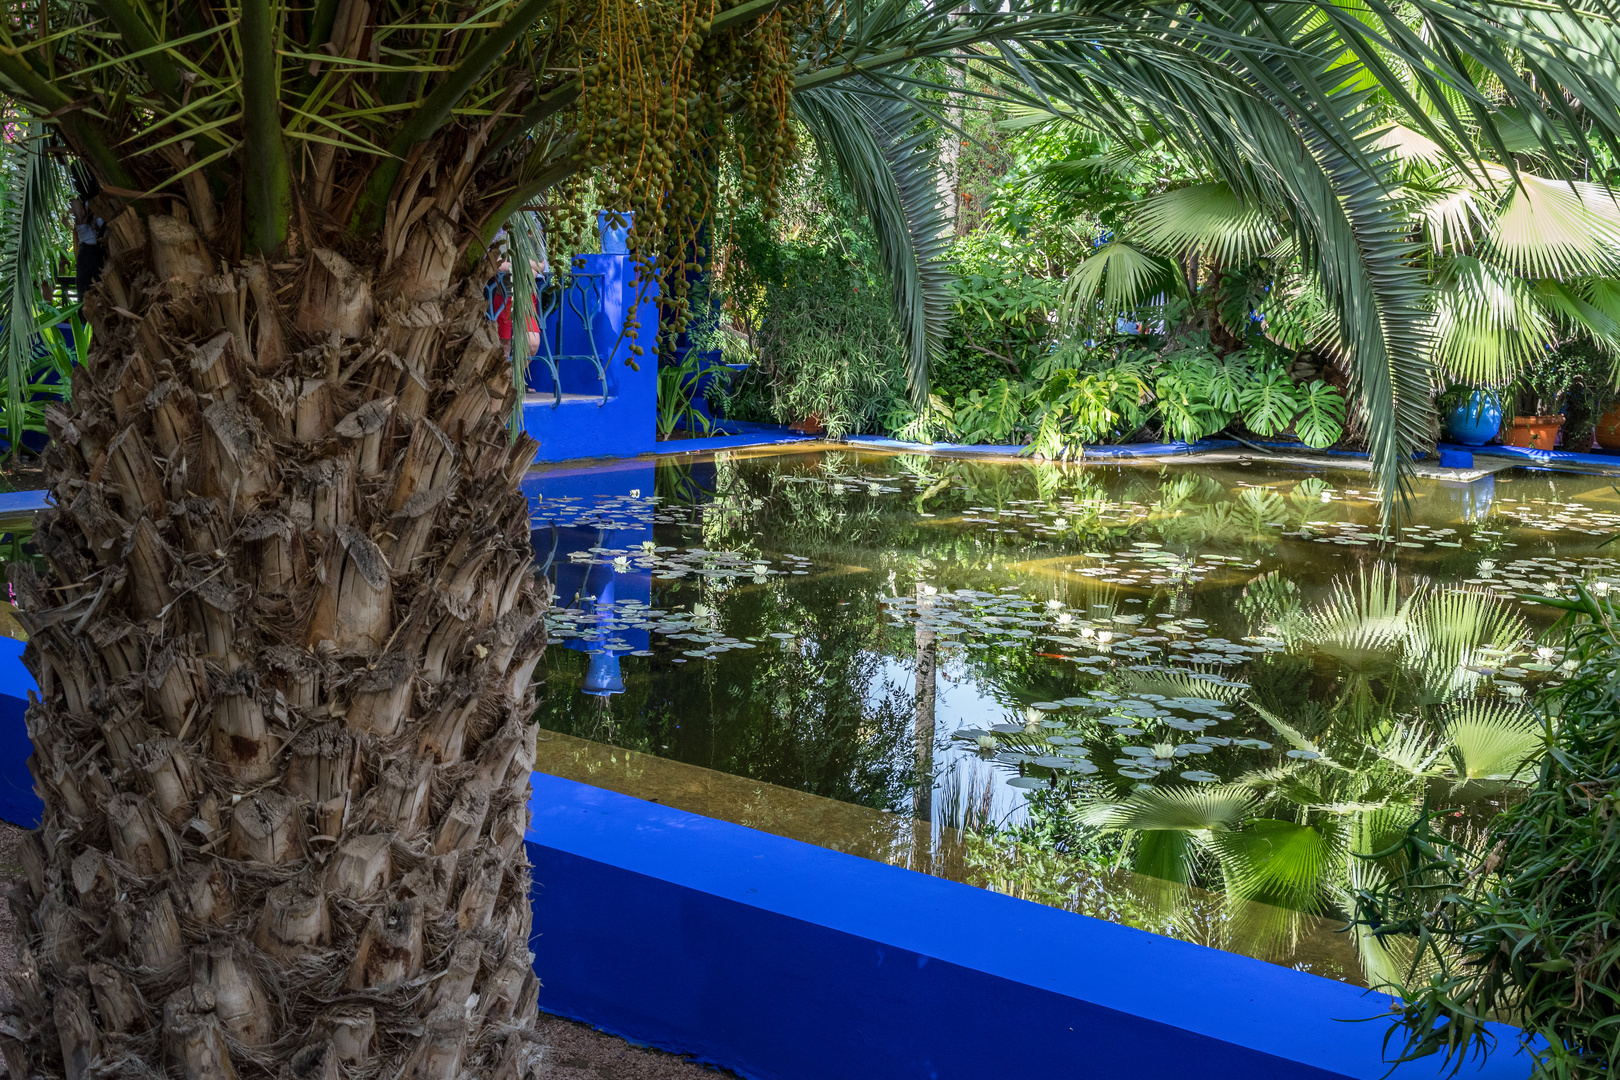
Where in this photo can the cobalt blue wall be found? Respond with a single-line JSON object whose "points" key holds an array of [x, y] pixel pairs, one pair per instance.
{"points": [[784, 961], [584, 427], [18, 803]]}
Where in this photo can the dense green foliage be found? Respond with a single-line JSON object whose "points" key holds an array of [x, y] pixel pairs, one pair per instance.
{"points": [[1520, 926]]}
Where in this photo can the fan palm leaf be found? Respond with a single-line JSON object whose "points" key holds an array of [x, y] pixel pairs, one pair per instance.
{"points": [[1494, 740], [1489, 322], [1115, 278], [1208, 218]]}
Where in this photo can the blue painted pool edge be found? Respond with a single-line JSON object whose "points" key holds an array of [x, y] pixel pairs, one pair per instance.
{"points": [[785, 961]]}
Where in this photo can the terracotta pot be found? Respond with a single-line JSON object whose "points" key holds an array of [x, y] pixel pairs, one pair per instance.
{"points": [[810, 425], [1608, 429], [1534, 432]]}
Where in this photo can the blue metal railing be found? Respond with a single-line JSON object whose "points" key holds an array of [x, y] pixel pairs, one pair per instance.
{"points": [[582, 292]]}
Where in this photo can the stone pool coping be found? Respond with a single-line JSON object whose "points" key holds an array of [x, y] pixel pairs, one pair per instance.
{"points": [[781, 960], [1498, 457]]}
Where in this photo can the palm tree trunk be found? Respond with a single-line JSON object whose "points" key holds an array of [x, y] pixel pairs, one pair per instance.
{"points": [[284, 648]]}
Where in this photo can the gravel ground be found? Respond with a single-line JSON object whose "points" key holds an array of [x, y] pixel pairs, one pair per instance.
{"points": [[573, 1051], [578, 1052]]}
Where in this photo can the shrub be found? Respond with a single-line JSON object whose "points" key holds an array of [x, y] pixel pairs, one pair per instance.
{"points": [[1521, 927]]}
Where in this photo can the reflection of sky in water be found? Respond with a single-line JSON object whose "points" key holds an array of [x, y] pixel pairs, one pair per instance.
{"points": [[1080, 575], [1095, 629], [961, 701]]}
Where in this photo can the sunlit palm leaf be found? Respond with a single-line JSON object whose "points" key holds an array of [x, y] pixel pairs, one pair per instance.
{"points": [[1495, 740], [1488, 323], [1555, 228], [1209, 218]]}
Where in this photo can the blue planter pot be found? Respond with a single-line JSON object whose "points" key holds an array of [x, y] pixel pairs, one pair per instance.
{"points": [[1475, 422]]}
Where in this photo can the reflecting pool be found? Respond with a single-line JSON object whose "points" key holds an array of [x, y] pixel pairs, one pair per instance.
{"points": [[1200, 699]]}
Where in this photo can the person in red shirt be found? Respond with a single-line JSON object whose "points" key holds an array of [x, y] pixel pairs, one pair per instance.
{"points": [[501, 304]]}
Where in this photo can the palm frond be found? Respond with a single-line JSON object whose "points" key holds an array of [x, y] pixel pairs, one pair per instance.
{"points": [[1555, 228], [891, 165], [1494, 740], [1210, 218], [1488, 323], [1115, 278], [33, 199]]}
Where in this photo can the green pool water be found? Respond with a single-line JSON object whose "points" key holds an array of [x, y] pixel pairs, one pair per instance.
{"points": [[1187, 697]]}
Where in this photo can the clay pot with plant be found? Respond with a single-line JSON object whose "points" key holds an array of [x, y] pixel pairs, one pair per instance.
{"points": [[1539, 396]]}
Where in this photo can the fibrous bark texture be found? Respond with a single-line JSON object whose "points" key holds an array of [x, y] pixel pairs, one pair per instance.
{"points": [[284, 649]]}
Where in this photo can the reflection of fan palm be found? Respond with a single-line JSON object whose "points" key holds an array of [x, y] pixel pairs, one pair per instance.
{"points": [[1364, 621], [1494, 740], [1454, 628], [1172, 826], [1281, 862], [1177, 683]]}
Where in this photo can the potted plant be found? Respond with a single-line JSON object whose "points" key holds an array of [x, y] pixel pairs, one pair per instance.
{"points": [[1542, 388], [1589, 407], [1472, 416]]}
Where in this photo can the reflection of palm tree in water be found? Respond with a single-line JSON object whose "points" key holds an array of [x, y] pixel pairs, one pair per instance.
{"points": [[922, 796]]}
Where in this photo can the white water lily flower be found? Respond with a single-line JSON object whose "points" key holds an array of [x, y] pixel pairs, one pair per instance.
{"points": [[1054, 605], [1545, 653], [987, 742], [1105, 636], [621, 562], [649, 546]]}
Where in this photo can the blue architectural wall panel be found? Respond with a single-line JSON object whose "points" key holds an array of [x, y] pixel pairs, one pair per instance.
{"points": [[583, 425], [18, 802], [785, 961]]}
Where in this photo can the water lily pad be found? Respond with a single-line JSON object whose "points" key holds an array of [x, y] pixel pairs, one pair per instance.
{"points": [[1026, 782]]}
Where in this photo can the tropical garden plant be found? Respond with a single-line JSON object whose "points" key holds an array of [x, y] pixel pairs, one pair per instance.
{"points": [[285, 636], [1508, 925]]}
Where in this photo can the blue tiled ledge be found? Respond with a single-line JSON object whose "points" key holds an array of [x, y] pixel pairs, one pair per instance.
{"points": [[784, 961]]}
